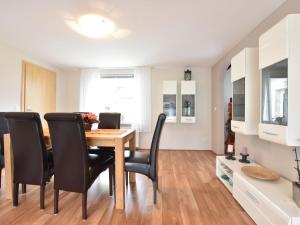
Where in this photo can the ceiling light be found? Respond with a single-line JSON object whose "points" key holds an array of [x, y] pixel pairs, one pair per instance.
{"points": [[93, 26]]}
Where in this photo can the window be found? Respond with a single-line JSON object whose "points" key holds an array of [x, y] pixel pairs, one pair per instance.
{"points": [[116, 94], [126, 91]]}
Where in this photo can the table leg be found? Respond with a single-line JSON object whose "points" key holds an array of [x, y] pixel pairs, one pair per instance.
{"points": [[132, 147], [119, 174], [8, 160]]}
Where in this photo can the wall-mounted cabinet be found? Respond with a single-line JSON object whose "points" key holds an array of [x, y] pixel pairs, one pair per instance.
{"points": [[279, 57], [245, 84], [170, 100], [188, 101]]}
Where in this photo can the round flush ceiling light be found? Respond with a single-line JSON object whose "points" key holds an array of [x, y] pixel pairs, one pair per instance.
{"points": [[93, 26]]}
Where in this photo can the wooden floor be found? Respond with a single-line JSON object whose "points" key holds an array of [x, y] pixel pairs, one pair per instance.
{"points": [[189, 193]]}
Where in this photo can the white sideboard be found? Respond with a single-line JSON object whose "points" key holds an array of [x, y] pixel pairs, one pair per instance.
{"points": [[266, 202]]}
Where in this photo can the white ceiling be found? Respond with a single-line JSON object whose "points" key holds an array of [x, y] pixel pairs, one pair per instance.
{"points": [[162, 32]]}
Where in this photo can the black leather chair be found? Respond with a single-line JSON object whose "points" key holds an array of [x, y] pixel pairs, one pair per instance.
{"points": [[75, 170], [147, 163], [109, 121], [33, 164], [3, 130]]}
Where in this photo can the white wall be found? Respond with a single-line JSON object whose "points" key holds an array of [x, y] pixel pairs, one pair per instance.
{"points": [[175, 136], [227, 92], [68, 94], [182, 136], [277, 157], [10, 77]]}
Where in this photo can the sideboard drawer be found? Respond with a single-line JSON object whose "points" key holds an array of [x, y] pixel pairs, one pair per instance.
{"points": [[251, 207], [265, 206]]}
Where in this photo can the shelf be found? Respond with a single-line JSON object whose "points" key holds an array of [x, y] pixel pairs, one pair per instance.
{"points": [[222, 170], [188, 101], [227, 184], [227, 171]]}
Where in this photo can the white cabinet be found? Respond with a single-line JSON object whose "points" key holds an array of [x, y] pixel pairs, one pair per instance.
{"points": [[266, 202], [257, 205], [279, 57], [170, 100], [273, 45], [245, 83], [188, 101]]}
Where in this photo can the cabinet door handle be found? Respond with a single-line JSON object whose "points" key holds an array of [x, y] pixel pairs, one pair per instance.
{"points": [[270, 133], [252, 197]]}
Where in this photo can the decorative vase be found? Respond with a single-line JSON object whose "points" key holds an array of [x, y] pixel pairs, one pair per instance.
{"points": [[87, 126], [296, 193]]}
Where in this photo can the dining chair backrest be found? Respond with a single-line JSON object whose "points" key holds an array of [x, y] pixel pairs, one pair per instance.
{"points": [[155, 144], [29, 150], [109, 120], [3, 130], [70, 154]]}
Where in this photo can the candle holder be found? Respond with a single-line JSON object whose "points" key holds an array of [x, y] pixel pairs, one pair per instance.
{"points": [[244, 158], [230, 156]]}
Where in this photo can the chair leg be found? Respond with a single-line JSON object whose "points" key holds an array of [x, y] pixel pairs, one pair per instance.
{"points": [[154, 190], [126, 178], [84, 205], [56, 197], [23, 188], [114, 178], [110, 180], [15, 194], [42, 196]]}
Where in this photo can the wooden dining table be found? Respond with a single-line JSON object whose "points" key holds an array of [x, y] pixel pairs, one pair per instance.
{"points": [[102, 137]]}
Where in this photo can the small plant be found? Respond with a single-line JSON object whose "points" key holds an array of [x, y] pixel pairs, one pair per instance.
{"points": [[297, 168], [89, 118]]}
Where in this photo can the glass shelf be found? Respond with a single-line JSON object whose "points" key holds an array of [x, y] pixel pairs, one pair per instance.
{"points": [[275, 94], [169, 102], [188, 105], [238, 100]]}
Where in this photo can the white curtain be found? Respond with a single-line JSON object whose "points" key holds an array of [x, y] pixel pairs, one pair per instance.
{"points": [[142, 78], [89, 88], [90, 95]]}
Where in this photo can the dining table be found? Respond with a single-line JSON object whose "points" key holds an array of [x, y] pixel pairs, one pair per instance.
{"points": [[116, 138]]}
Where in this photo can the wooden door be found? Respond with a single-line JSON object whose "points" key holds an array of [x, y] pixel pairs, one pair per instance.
{"points": [[39, 90]]}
